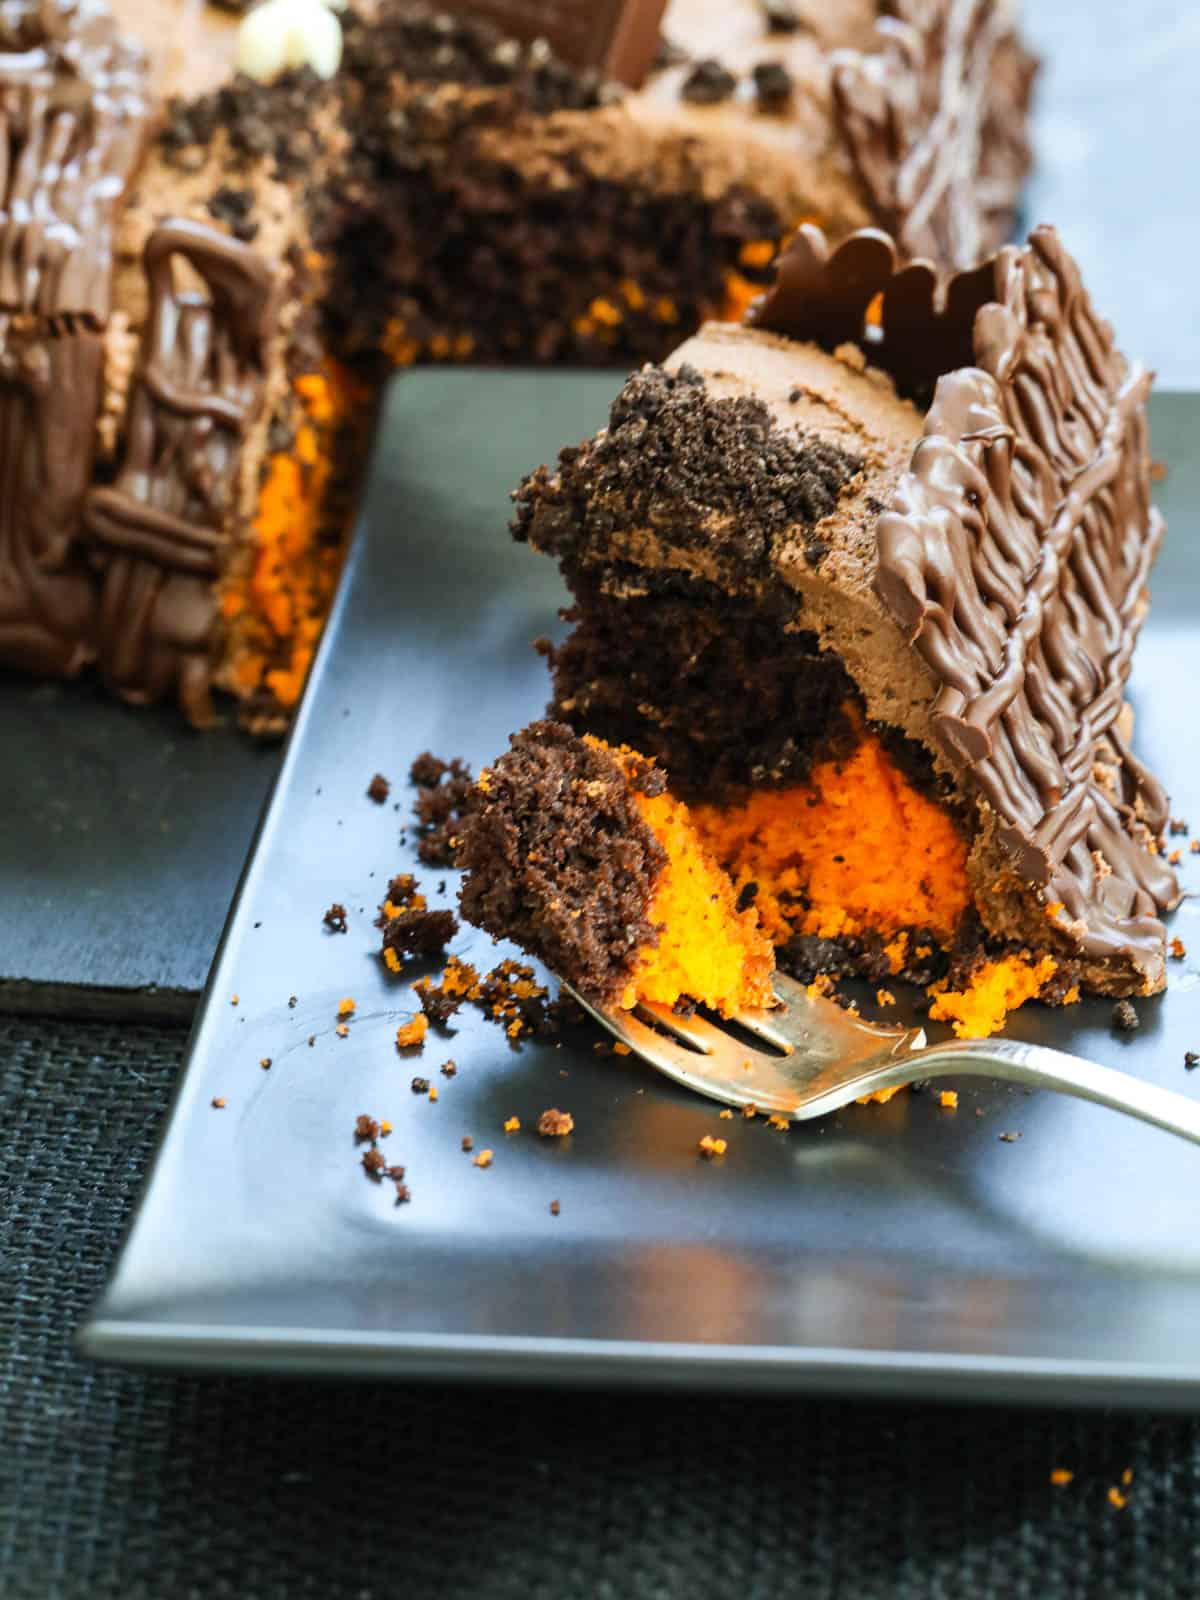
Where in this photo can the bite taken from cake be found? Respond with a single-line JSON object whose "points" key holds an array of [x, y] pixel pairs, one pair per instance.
{"points": [[864, 578]]}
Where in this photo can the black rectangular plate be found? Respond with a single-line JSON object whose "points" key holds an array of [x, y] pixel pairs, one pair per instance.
{"points": [[901, 1248]]}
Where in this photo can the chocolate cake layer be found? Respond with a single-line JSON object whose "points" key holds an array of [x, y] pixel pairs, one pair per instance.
{"points": [[559, 858], [980, 576]]}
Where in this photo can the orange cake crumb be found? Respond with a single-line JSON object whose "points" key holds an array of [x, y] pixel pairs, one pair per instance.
{"points": [[1117, 1499], [948, 1100], [345, 1007], [483, 1159], [707, 948], [555, 1124], [884, 997], [342, 1031], [857, 847], [725, 1115], [879, 1097], [1061, 1477], [410, 1034], [512, 1125], [996, 988], [776, 1121], [710, 1147]]}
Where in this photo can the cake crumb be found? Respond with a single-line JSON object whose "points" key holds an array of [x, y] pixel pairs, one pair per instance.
{"points": [[1175, 857], [1124, 1018], [411, 1035], [365, 1127], [346, 1008], [725, 1115], [1008, 1138], [468, 1143], [373, 1163], [448, 1069], [312, 1039], [1177, 825], [1116, 1499], [378, 789], [384, 1129], [620, 1048], [749, 1110], [555, 1208], [710, 1147], [1178, 949], [293, 1002], [233, 1000], [433, 1094], [218, 1102], [555, 1124], [444, 791], [1191, 1059], [512, 1125], [1127, 1477], [1194, 847], [342, 1031], [403, 1194], [776, 1121], [884, 997], [483, 1159], [420, 1086], [335, 918], [1061, 1477], [265, 1062], [948, 1099]]}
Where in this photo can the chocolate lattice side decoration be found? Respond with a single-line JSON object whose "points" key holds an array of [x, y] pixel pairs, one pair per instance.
{"points": [[1016, 556], [159, 533], [935, 123]]}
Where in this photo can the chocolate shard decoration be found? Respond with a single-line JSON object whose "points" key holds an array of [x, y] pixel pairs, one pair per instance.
{"points": [[617, 38], [935, 123], [75, 110], [159, 532], [1016, 553]]}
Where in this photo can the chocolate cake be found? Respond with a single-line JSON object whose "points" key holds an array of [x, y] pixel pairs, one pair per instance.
{"points": [[577, 852], [865, 578], [206, 275]]}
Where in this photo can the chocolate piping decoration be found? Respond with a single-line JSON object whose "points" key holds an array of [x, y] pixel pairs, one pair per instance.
{"points": [[73, 114], [1016, 553], [934, 121], [159, 532]]}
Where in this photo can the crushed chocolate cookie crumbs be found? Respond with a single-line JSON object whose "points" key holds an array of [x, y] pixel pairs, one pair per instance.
{"points": [[335, 918], [707, 84], [448, 1069], [444, 792], [772, 85], [1124, 1018], [555, 1124], [420, 1086], [378, 789]]}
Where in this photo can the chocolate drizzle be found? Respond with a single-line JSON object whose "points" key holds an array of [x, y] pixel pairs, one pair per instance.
{"points": [[934, 121], [73, 112], [159, 532]]}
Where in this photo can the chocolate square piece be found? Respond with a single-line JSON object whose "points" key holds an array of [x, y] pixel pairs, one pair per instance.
{"points": [[616, 37]]}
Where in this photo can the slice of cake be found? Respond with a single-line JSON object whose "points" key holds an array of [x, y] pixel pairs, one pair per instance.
{"points": [[866, 578], [577, 852]]}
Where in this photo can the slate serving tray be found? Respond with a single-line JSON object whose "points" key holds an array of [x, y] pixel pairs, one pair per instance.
{"points": [[900, 1248]]}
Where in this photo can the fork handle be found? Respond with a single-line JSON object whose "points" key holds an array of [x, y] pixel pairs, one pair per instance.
{"points": [[1039, 1067]]}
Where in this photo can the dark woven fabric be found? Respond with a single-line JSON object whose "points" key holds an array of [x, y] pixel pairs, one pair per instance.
{"points": [[125, 1486]]}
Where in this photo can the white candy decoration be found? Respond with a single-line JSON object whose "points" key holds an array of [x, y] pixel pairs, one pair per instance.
{"points": [[289, 33]]}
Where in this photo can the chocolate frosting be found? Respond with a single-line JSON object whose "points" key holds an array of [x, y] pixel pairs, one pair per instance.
{"points": [[158, 533], [618, 38], [1016, 552], [934, 121], [73, 112]]}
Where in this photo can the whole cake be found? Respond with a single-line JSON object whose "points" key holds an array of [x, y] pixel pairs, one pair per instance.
{"points": [[864, 579], [203, 276]]}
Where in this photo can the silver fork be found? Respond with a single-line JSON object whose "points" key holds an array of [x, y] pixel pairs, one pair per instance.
{"points": [[819, 1057]]}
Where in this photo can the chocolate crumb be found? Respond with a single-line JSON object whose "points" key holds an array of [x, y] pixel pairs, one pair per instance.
{"points": [[365, 1127], [312, 1039], [374, 1162], [1191, 1058], [265, 1063], [403, 1194], [218, 1102], [555, 1124], [448, 1069], [445, 791], [378, 789], [1178, 825], [467, 1142], [1124, 1018], [420, 1086], [772, 85], [708, 83], [555, 1208], [394, 1173], [293, 1002], [1008, 1138], [335, 918]]}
